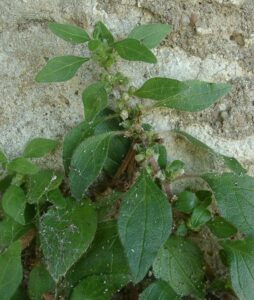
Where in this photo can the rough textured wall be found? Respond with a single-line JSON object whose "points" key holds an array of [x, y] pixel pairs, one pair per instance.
{"points": [[212, 40]]}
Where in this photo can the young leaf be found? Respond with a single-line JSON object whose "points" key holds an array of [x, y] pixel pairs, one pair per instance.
{"points": [[39, 147], [141, 230], [200, 216], [69, 33], [22, 166], [95, 99], [221, 228], [240, 255], [73, 231], [3, 158], [150, 34], [60, 68], [134, 50], [40, 282], [41, 183], [87, 162], [159, 290], [11, 271], [162, 158], [14, 203], [100, 287], [186, 202], [235, 197], [102, 33], [180, 263]]}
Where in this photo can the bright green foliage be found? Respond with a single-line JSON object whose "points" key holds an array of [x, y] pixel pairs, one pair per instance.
{"points": [[95, 99], [221, 228], [200, 216], [240, 256], [131, 49], [69, 33], [150, 34], [14, 203], [180, 264], [159, 290], [40, 282], [235, 197], [39, 147], [23, 166], [60, 68], [102, 33], [138, 226], [65, 235], [11, 271], [186, 202]]}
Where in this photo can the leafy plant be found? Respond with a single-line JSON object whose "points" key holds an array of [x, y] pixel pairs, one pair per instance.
{"points": [[112, 223]]}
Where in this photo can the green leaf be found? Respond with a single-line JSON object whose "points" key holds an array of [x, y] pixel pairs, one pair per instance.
{"points": [[186, 202], [3, 158], [72, 139], [150, 34], [205, 197], [87, 162], [39, 147], [56, 198], [60, 68], [235, 197], [5, 182], [162, 157], [159, 290], [40, 282], [229, 162], [176, 168], [22, 166], [180, 263], [69, 33], [98, 287], [221, 228], [102, 33], [14, 203], [95, 99], [133, 50], [200, 216], [20, 294], [65, 235], [160, 88], [240, 255], [11, 271], [141, 230], [41, 183]]}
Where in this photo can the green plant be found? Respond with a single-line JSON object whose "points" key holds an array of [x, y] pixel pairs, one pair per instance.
{"points": [[113, 224]]}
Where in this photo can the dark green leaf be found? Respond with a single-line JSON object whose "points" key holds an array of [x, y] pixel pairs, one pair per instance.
{"points": [[150, 34], [65, 235], [72, 139], [11, 271], [186, 202], [69, 33], [162, 157], [40, 282], [87, 162], [180, 263], [159, 290], [141, 230], [102, 33], [14, 203], [235, 197], [20, 294], [200, 216], [5, 182], [23, 166], [60, 68], [57, 198], [95, 99], [240, 255], [3, 158], [205, 197], [39, 147], [133, 50], [221, 228]]}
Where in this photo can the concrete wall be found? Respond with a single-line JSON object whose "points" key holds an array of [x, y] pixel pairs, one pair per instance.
{"points": [[212, 40]]}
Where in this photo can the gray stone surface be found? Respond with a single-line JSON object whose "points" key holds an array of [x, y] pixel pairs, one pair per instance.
{"points": [[212, 40]]}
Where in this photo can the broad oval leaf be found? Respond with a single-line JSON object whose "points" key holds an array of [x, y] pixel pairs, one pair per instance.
{"points": [[60, 68], [11, 271], [180, 263], [141, 230], [39, 147], [235, 197], [159, 290], [87, 162], [69, 33], [221, 228], [134, 50], [240, 256], [95, 99], [22, 166], [65, 235], [14, 203], [102, 33], [150, 34]]}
